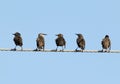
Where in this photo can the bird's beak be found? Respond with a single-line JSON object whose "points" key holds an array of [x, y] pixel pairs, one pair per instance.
{"points": [[76, 34], [56, 35], [44, 34], [13, 34]]}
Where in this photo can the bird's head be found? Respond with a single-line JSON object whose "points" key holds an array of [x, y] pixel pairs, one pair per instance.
{"points": [[79, 35], [17, 34], [106, 36], [41, 34], [59, 35]]}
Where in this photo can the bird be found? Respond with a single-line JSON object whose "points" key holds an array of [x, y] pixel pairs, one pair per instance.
{"points": [[106, 43], [40, 42], [17, 40], [80, 42], [60, 41]]}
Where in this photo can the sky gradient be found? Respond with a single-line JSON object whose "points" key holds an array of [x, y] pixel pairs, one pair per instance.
{"points": [[92, 18]]}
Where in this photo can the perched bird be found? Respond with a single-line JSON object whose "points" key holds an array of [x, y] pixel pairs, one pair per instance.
{"points": [[106, 43], [80, 42], [18, 40], [60, 41], [40, 41]]}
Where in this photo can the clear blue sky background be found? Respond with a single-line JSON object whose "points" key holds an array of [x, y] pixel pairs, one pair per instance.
{"points": [[93, 18]]}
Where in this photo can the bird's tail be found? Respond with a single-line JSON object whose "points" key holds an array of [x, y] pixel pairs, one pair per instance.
{"points": [[64, 46], [110, 48]]}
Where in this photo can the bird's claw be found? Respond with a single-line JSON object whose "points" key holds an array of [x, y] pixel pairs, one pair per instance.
{"points": [[13, 49]]}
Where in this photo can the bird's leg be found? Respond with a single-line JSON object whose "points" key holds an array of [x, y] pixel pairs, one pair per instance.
{"points": [[35, 49], [15, 48], [76, 49], [39, 49], [43, 48], [106, 50], [102, 50], [82, 50], [21, 48], [56, 48], [62, 48], [109, 49]]}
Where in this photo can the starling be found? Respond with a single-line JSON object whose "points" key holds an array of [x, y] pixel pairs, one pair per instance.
{"points": [[106, 43], [40, 42], [80, 42], [18, 40], [60, 41]]}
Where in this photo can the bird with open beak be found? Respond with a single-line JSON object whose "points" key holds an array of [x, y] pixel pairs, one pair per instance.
{"points": [[80, 42], [17, 40], [40, 42], [60, 41]]}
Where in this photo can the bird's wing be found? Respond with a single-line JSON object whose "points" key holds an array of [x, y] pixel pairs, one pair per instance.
{"points": [[40, 42], [64, 42], [56, 41], [109, 44], [60, 42], [18, 41], [37, 42], [102, 42]]}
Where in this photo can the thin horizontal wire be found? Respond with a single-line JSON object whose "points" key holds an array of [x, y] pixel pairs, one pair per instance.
{"points": [[85, 51]]}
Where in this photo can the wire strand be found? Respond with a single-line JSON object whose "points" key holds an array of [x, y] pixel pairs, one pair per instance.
{"points": [[85, 51]]}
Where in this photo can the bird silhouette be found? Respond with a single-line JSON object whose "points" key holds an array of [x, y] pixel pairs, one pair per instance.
{"points": [[40, 42], [17, 40], [106, 44], [60, 41], [80, 42]]}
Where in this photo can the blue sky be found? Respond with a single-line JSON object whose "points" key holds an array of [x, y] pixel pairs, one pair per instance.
{"points": [[93, 18]]}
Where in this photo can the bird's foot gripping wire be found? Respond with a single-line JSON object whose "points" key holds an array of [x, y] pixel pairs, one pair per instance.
{"points": [[56, 50], [62, 50], [102, 50], [13, 49], [79, 50], [76, 50], [36, 49], [21, 48], [107, 51]]}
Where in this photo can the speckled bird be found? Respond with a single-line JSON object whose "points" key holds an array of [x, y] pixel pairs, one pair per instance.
{"points": [[17, 40], [80, 42], [40, 42], [106, 44], [60, 41]]}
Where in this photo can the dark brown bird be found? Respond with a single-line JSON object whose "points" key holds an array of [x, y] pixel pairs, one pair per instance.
{"points": [[106, 43], [60, 41], [80, 42], [18, 40], [40, 41]]}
